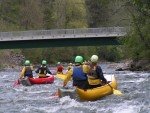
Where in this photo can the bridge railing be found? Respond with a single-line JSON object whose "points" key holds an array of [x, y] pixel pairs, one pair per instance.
{"points": [[63, 33]]}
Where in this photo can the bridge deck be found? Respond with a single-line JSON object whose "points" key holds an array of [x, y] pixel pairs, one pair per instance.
{"points": [[61, 38], [63, 34]]}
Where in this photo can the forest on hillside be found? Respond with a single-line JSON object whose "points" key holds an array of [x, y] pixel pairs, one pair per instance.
{"points": [[20, 15]]}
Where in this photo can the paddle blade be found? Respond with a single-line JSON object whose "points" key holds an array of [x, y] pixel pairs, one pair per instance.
{"points": [[59, 92], [117, 92], [16, 83], [55, 94]]}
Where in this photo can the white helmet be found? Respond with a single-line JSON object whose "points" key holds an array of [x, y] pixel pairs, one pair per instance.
{"points": [[94, 58]]}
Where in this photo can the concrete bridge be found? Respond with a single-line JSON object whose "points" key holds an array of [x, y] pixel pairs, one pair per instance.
{"points": [[61, 37]]}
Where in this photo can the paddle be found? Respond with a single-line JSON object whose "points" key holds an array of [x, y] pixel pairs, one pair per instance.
{"points": [[55, 94], [116, 92], [16, 83]]}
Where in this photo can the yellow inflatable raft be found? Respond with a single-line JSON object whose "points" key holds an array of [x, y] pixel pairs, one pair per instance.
{"points": [[91, 94], [61, 76]]}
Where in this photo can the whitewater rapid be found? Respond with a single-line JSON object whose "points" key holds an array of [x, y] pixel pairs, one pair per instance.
{"points": [[41, 98]]}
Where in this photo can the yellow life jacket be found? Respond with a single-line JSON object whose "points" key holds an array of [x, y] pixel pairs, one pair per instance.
{"points": [[93, 79], [42, 71], [42, 75]]}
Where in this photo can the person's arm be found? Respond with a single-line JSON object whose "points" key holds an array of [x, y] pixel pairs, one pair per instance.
{"points": [[32, 68], [48, 71], [85, 68], [100, 74], [68, 77], [22, 72], [62, 67], [56, 69], [37, 71]]}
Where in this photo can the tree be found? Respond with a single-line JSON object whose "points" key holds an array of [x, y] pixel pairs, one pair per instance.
{"points": [[31, 16], [139, 39], [48, 9], [70, 14], [9, 15], [97, 12]]}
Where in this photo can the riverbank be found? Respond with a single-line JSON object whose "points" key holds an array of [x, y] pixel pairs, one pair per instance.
{"points": [[141, 65], [11, 60]]}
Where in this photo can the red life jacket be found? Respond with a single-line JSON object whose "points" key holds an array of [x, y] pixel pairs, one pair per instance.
{"points": [[60, 68]]}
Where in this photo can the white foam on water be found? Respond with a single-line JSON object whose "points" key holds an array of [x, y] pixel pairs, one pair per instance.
{"points": [[18, 88], [136, 74], [126, 108], [51, 109], [4, 76], [38, 92], [129, 73], [133, 81], [48, 109], [67, 102]]}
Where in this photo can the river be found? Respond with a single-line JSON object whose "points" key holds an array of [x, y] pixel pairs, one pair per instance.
{"points": [[135, 87]]}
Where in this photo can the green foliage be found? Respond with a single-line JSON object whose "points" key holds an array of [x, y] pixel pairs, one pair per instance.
{"points": [[68, 14], [31, 15], [9, 11], [97, 15], [9, 15], [48, 11], [111, 53], [139, 39], [53, 55], [34, 55]]}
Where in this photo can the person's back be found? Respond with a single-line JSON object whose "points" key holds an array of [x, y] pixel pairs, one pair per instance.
{"points": [[43, 70], [59, 68], [27, 70], [78, 73], [95, 74]]}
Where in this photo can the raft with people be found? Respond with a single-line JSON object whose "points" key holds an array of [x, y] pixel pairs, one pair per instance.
{"points": [[27, 81], [90, 94], [45, 80], [26, 76]]}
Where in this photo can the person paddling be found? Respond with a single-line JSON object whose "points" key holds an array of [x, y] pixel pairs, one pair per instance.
{"points": [[78, 73], [59, 68], [43, 70], [95, 74], [27, 70]]}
